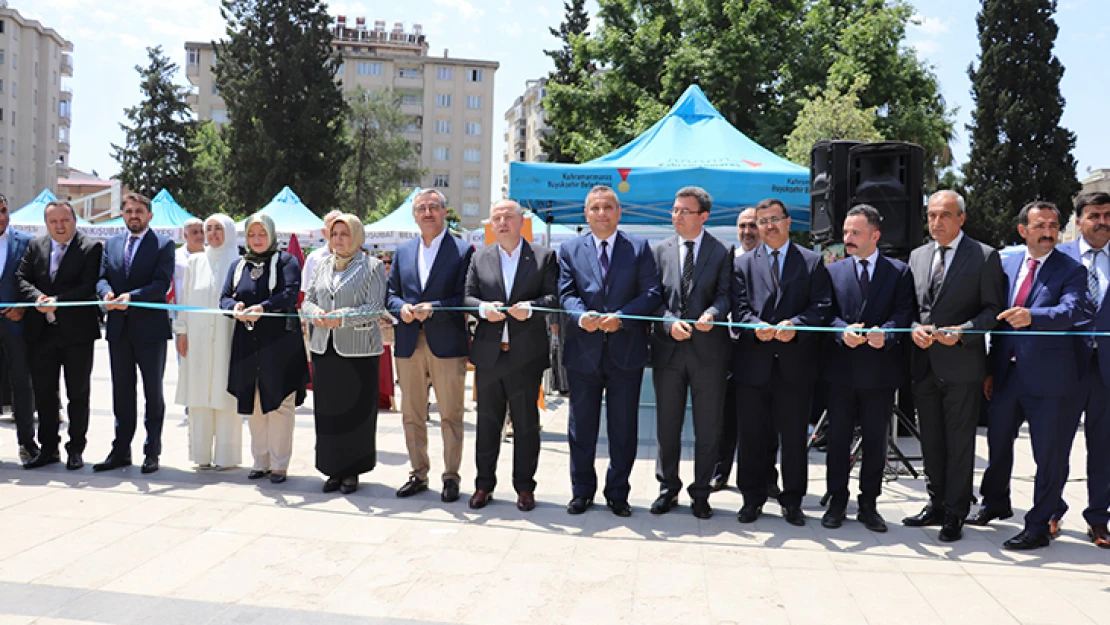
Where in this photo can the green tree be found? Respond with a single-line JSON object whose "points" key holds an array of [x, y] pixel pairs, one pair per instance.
{"points": [[832, 114], [387, 203], [208, 152], [380, 156], [568, 74], [276, 72], [155, 152], [1019, 151]]}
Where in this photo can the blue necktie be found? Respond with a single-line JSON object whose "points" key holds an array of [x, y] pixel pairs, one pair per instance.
{"points": [[128, 253], [604, 261]]}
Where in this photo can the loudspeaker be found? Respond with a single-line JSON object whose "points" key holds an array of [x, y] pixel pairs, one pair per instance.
{"points": [[828, 189], [889, 176]]}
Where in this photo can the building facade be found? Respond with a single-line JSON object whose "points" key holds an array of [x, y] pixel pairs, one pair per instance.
{"points": [[525, 128], [449, 102], [35, 107]]}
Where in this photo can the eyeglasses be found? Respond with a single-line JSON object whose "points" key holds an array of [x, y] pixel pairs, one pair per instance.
{"points": [[427, 208], [685, 212], [767, 221]]}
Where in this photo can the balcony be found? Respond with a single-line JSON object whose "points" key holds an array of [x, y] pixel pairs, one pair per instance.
{"points": [[192, 70], [63, 145], [412, 109], [66, 93], [67, 65], [64, 119]]}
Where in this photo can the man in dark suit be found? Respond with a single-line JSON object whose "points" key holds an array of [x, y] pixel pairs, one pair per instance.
{"points": [[429, 272], [695, 271], [136, 266], [863, 365], [1091, 398], [604, 275], [959, 286], [12, 245], [510, 349], [1030, 377], [61, 266], [777, 286]]}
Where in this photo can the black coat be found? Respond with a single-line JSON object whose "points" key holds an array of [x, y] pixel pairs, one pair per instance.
{"points": [[75, 282], [271, 356]]}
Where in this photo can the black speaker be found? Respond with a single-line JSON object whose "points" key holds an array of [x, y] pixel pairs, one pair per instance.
{"points": [[889, 176], [828, 189]]}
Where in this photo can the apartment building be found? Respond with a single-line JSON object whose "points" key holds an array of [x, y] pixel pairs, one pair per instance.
{"points": [[449, 102], [35, 107], [525, 128]]}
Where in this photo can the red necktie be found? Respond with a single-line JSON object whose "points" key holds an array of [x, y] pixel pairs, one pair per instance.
{"points": [[1026, 284]]}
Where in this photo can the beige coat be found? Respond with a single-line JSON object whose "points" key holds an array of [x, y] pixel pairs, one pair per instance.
{"points": [[202, 375]]}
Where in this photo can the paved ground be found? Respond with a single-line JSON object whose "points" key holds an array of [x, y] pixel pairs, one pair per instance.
{"points": [[200, 547]]}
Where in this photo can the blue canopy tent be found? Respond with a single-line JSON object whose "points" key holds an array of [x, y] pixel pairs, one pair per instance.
{"points": [[396, 226], [290, 215], [692, 145], [33, 214], [167, 213]]}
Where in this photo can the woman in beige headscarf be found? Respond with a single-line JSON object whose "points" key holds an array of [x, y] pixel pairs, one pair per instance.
{"points": [[344, 299]]}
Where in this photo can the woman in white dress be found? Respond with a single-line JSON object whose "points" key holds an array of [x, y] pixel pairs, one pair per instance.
{"points": [[204, 343]]}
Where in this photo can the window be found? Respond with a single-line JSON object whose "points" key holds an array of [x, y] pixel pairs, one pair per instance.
{"points": [[1, 85], [219, 116], [470, 209], [473, 101], [215, 89], [15, 93], [474, 75], [442, 181], [13, 123], [369, 68], [13, 147], [443, 154], [12, 174], [472, 155], [36, 64], [471, 182], [15, 61], [445, 73], [53, 75], [341, 67], [410, 99], [1, 61], [443, 100], [193, 55], [35, 97], [443, 127], [1, 26], [408, 72], [473, 128]]}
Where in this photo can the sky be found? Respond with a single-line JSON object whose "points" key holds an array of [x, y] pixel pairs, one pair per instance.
{"points": [[110, 38]]}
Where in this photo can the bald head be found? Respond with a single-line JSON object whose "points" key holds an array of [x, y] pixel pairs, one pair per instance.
{"points": [[747, 232]]}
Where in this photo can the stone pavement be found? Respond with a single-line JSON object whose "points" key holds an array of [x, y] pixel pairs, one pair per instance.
{"points": [[191, 547]]}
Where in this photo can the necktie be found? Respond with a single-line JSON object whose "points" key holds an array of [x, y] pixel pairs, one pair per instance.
{"points": [[604, 261], [1026, 284], [938, 273], [864, 278], [687, 275], [128, 253], [775, 270], [1094, 293], [56, 260]]}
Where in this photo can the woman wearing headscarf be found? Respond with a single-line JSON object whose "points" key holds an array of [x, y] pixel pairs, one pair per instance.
{"points": [[344, 300], [204, 344], [269, 368]]}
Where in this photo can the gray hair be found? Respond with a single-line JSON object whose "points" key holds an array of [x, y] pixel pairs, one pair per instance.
{"points": [[516, 206], [705, 201], [442, 198], [741, 215], [192, 221], [950, 193], [598, 190]]}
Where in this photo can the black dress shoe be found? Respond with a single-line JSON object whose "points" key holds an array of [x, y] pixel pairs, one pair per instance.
{"points": [[112, 462], [74, 462], [1026, 541], [480, 499], [28, 452], [871, 519], [278, 478], [834, 516], [150, 464], [749, 513], [664, 502], [331, 485], [450, 491], [349, 486], [700, 508], [413, 486], [952, 529], [794, 515], [717, 483], [578, 505], [619, 507], [773, 490], [42, 459], [255, 474], [929, 515], [986, 515]]}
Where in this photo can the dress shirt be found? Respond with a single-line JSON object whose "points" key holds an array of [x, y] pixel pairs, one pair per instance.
{"points": [[310, 263], [427, 257], [870, 265], [682, 250], [612, 239], [949, 254], [1024, 271], [1102, 265], [510, 261], [5, 241], [740, 251], [180, 262], [57, 251], [782, 256]]}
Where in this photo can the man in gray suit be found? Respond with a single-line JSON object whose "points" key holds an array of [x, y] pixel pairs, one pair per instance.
{"points": [[696, 272], [959, 286]]}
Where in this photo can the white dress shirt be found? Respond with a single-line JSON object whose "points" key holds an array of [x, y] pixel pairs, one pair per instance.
{"points": [[870, 265], [782, 255], [948, 255], [180, 262], [510, 261], [682, 250], [1102, 265], [427, 257], [5, 240], [1024, 271], [310, 263], [612, 240]]}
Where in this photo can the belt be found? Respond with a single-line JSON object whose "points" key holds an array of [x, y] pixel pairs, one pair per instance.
{"points": [[504, 347]]}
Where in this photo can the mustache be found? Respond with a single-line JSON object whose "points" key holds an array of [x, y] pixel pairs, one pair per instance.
{"points": [[1101, 227], [1047, 240]]}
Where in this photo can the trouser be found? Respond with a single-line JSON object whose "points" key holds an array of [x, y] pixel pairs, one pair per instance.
{"points": [[1091, 399], [871, 409], [502, 387], [448, 378], [780, 408], [948, 413], [215, 437], [728, 448], [126, 355], [15, 350], [272, 434]]}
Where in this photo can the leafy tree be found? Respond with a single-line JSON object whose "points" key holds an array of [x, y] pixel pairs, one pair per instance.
{"points": [[1019, 151], [568, 73], [380, 156], [155, 153], [833, 114], [387, 202], [276, 72], [208, 152]]}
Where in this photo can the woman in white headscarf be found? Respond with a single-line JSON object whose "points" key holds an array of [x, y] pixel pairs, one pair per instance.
{"points": [[204, 343]]}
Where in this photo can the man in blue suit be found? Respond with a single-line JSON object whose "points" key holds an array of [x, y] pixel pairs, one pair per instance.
{"points": [[1030, 377], [136, 266], [13, 244], [863, 365], [429, 273], [604, 275], [777, 286], [1091, 397]]}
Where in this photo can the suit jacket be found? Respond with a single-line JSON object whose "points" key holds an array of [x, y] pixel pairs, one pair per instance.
{"points": [[361, 289], [1045, 365], [971, 296], [149, 280], [631, 288], [889, 304], [536, 282], [804, 298], [9, 284], [709, 292], [75, 282], [445, 330], [1098, 322]]}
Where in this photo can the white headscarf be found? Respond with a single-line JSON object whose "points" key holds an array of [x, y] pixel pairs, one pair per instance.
{"points": [[220, 259]]}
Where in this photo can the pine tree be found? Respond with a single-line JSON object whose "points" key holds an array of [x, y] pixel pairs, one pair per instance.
{"points": [[381, 158], [568, 73], [276, 72], [1019, 151], [155, 154]]}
